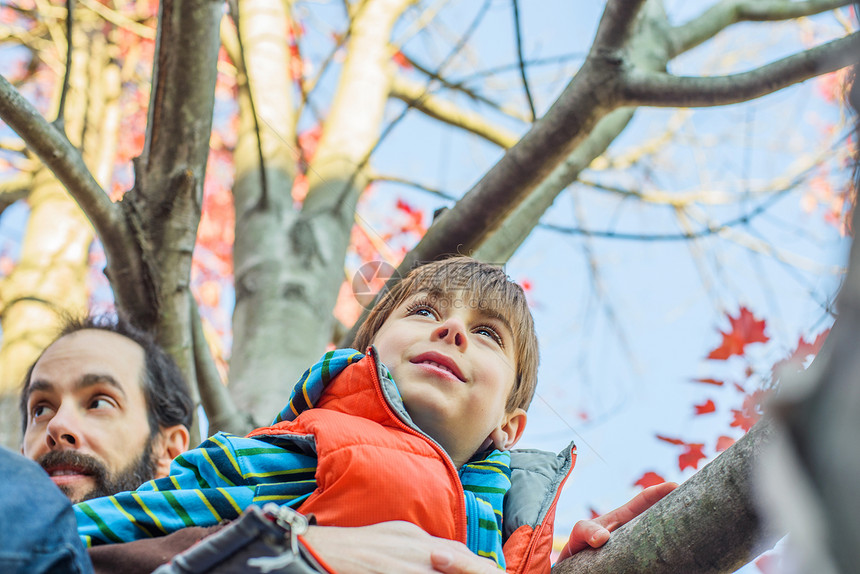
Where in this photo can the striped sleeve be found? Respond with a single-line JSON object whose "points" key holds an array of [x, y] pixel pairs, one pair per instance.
{"points": [[485, 484], [213, 482]]}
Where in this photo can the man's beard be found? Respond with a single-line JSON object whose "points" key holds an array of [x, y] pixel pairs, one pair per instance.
{"points": [[106, 483]]}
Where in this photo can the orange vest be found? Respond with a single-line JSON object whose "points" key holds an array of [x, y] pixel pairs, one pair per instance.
{"points": [[373, 467]]}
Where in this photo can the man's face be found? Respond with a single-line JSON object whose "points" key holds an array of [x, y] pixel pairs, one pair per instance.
{"points": [[87, 416], [455, 368]]}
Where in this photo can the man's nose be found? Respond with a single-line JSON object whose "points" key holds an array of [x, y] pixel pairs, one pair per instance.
{"points": [[453, 332], [63, 430]]}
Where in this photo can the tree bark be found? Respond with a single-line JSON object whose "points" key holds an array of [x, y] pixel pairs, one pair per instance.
{"points": [[710, 524]]}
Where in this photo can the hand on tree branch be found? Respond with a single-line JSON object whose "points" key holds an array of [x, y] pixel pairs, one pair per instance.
{"points": [[595, 533]]}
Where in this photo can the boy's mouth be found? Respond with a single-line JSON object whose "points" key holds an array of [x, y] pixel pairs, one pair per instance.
{"points": [[441, 362]]}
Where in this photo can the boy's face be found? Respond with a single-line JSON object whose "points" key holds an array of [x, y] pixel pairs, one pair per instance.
{"points": [[455, 367]]}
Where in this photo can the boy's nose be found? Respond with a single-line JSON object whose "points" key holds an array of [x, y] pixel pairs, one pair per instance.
{"points": [[453, 332]]}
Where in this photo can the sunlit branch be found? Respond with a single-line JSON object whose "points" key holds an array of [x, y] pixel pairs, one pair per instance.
{"points": [[461, 43], [727, 12], [309, 85], [758, 245], [416, 95], [460, 87], [14, 189], [641, 88], [120, 20], [13, 145], [682, 202], [16, 185]]}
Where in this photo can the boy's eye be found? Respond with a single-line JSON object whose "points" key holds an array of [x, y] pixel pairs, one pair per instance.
{"points": [[491, 333], [421, 309]]}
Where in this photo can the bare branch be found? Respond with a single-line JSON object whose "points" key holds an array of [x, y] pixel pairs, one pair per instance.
{"points": [[727, 12], [62, 158], [417, 96], [413, 184], [460, 86], [61, 109], [518, 30], [219, 406], [664, 90], [14, 189]]}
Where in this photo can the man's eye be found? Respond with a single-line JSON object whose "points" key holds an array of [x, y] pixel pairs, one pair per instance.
{"points": [[41, 410], [102, 403]]}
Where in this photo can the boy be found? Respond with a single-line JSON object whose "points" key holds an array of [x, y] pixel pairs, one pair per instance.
{"points": [[417, 430]]}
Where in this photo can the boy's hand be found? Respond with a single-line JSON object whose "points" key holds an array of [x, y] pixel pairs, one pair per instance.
{"points": [[395, 546], [595, 532]]}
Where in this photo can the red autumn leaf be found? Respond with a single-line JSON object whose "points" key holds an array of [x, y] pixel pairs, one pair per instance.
{"points": [[709, 381], [745, 329], [670, 440], [401, 60], [706, 407], [691, 457], [300, 188], [649, 479], [724, 442], [414, 219], [796, 360], [309, 140], [750, 412]]}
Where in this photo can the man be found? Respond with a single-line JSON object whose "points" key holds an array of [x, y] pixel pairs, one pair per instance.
{"points": [[104, 409]]}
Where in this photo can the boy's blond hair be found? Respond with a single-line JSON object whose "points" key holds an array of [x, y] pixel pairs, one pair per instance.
{"points": [[488, 287]]}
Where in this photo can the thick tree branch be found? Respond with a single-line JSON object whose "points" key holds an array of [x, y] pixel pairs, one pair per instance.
{"points": [[687, 532], [500, 246], [616, 25], [727, 12], [664, 90], [65, 161], [417, 96]]}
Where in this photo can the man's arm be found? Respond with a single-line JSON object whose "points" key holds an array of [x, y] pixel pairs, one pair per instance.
{"points": [[213, 482], [594, 533], [393, 547]]}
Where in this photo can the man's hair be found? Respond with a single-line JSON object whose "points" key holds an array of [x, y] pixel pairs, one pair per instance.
{"points": [[167, 394], [480, 284]]}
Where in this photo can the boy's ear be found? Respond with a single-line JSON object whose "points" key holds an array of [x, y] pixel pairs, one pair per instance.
{"points": [[168, 444], [508, 433]]}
